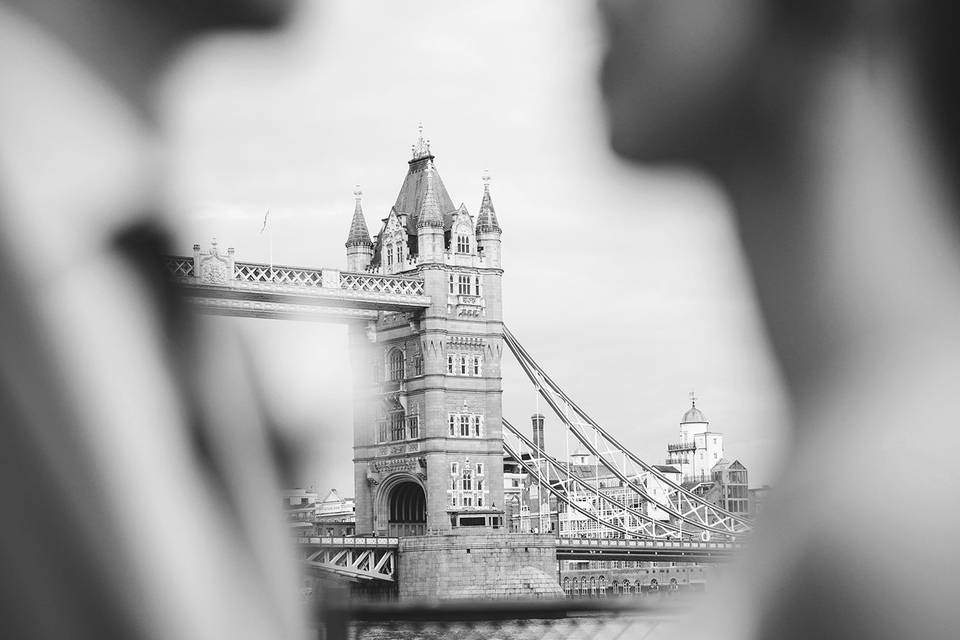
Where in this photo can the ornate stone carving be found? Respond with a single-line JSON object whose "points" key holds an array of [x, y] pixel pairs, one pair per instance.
{"points": [[330, 278], [214, 270], [394, 465], [373, 478]]}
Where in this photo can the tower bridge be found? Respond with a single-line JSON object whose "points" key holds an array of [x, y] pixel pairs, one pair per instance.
{"points": [[423, 302]]}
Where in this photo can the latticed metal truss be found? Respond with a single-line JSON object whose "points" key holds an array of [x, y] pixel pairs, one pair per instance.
{"points": [[360, 559], [179, 266], [606, 511], [381, 284], [696, 514], [257, 272]]}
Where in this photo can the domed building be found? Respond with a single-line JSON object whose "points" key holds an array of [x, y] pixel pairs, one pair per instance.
{"points": [[699, 448]]}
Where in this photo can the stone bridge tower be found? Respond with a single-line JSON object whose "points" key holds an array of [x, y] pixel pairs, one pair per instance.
{"points": [[428, 450]]}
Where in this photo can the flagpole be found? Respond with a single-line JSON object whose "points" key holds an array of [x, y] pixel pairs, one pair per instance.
{"points": [[266, 223]]}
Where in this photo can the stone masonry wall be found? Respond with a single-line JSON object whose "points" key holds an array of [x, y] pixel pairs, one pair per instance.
{"points": [[484, 564]]}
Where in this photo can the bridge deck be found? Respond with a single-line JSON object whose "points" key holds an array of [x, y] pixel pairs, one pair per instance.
{"points": [[645, 550]]}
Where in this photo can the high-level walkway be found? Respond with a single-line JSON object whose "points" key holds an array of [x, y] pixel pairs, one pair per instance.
{"points": [[217, 284]]}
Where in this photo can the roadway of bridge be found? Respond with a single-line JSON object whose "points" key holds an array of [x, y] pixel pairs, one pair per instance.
{"points": [[645, 550], [582, 548]]}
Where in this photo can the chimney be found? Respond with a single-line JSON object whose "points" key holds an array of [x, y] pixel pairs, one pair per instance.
{"points": [[537, 420]]}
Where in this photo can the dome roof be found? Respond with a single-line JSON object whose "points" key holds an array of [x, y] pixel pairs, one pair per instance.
{"points": [[693, 415]]}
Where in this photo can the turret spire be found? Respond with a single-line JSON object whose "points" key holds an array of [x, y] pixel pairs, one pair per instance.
{"points": [[359, 235], [487, 217], [422, 148], [429, 214]]}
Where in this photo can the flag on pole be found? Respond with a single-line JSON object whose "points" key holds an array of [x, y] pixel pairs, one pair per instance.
{"points": [[266, 218]]}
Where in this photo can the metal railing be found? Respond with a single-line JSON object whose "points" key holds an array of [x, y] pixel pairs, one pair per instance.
{"points": [[381, 284], [568, 619], [179, 266], [351, 541], [296, 276]]}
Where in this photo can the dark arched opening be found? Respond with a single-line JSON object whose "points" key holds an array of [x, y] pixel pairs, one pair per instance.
{"points": [[408, 510]]}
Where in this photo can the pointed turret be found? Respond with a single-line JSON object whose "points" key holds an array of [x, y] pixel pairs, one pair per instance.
{"points": [[487, 218], [430, 214], [359, 246], [488, 228], [430, 222]]}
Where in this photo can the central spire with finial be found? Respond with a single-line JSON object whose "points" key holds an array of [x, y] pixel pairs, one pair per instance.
{"points": [[430, 214], [422, 148]]}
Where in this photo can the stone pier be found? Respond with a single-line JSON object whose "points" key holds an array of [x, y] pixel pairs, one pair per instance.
{"points": [[488, 565]]}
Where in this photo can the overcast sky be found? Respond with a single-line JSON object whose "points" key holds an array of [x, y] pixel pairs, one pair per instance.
{"points": [[626, 284]]}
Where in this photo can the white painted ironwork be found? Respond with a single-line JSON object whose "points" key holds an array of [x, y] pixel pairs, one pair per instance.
{"points": [[219, 285], [256, 272], [361, 559], [606, 548], [296, 276], [680, 504], [382, 284], [612, 516], [179, 266]]}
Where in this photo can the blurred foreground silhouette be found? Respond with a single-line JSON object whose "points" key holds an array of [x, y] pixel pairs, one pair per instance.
{"points": [[141, 499], [833, 128]]}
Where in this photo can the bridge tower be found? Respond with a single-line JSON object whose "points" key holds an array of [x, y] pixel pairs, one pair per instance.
{"points": [[428, 449]]}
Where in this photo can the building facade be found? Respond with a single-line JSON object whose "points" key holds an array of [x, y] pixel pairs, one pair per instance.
{"points": [[427, 403], [699, 448]]}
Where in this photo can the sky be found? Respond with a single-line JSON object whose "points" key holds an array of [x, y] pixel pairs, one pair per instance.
{"points": [[625, 282]]}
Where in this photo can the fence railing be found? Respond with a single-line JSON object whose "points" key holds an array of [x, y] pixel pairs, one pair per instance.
{"points": [[567, 619]]}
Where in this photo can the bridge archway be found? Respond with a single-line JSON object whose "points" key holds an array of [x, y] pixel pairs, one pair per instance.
{"points": [[403, 506]]}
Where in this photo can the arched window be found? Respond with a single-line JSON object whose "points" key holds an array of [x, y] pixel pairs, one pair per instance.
{"points": [[566, 585], [602, 585], [396, 365]]}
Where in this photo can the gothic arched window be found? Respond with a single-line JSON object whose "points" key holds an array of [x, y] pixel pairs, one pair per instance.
{"points": [[396, 365]]}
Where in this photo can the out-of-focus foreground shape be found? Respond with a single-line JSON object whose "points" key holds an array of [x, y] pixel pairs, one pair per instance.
{"points": [[143, 503], [832, 126]]}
